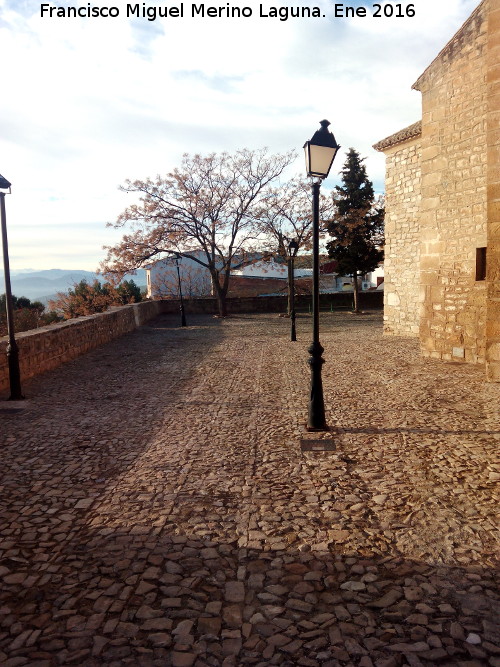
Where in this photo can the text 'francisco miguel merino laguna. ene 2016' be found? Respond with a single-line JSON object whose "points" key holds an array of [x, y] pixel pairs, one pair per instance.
{"points": [[181, 10]]}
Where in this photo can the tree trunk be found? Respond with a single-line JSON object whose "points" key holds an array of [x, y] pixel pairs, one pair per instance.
{"points": [[221, 304], [221, 296], [355, 294]]}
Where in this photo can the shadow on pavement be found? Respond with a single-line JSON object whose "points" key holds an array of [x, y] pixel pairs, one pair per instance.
{"points": [[157, 596]]}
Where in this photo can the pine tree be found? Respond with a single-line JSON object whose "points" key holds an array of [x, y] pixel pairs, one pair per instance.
{"points": [[357, 224]]}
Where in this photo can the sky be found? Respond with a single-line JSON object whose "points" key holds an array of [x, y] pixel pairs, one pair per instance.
{"points": [[87, 102]]}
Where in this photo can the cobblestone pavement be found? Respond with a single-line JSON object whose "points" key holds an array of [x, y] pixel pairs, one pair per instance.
{"points": [[157, 509]]}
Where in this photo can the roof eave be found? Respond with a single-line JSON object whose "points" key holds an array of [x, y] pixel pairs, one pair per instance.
{"points": [[406, 134]]}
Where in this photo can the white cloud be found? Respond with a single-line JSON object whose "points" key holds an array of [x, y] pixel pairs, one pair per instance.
{"points": [[87, 103]]}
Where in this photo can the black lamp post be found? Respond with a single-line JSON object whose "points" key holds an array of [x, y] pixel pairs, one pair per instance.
{"points": [[293, 247], [183, 315], [320, 153], [12, 349]]}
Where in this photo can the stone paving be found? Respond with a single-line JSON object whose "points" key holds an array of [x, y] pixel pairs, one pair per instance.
{"points": [[157, 509]]}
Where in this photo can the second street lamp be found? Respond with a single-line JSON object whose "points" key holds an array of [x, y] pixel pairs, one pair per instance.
{"points": [[320, 153], [293, 247]]}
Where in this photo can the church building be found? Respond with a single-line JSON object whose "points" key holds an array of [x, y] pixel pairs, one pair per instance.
{"points": [[442, 255]]}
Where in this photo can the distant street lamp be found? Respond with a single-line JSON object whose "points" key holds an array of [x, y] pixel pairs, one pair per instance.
{"points": [[12, 349], [183, 315], [320, 153], [293, 247]]}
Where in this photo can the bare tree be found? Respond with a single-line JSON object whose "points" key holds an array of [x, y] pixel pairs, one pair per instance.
{"points": [[211, 203], [288, 216]]}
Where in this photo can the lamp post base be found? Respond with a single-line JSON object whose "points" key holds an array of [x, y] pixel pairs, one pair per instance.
{"points": [[14, 375], [316, 418]]}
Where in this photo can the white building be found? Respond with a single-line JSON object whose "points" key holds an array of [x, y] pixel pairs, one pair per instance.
{"points": [[330, 281], [162, 280], [263, 269]]}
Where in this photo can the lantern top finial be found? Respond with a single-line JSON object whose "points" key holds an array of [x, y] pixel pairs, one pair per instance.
{"points": [[323, 136]]}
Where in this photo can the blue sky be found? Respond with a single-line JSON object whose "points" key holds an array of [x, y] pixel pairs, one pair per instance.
{"points": [[89, 102]]}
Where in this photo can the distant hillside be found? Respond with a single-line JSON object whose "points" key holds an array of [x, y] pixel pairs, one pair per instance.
{"points": [[44, 285]]}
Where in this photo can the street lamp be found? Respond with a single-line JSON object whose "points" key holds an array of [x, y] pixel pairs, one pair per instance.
{"points": [[320, 153], [12, 349], [293, 247], [183, 316]]}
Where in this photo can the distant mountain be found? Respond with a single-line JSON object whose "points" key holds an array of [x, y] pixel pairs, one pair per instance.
{"points": [[15, 272], [44, 285]]}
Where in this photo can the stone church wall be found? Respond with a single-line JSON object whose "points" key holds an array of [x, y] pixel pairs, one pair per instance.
{"points": [[402, 249], [493, 165], [454, 204]]}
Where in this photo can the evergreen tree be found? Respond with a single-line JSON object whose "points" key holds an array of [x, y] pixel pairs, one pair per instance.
{"points": [[129, 292], [357, 224]]}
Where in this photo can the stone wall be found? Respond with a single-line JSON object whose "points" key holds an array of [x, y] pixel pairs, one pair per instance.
{"points": [[402, 232], [453, 209], [493, 176], [277, 304], [48, 347]]}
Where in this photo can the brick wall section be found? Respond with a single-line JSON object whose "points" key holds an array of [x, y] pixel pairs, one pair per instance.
{"points": [[402, 249], [453, 210], [493, 253], [48, 347], [245, 286]]}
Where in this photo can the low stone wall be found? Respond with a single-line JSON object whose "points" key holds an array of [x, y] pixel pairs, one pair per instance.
{"points": [[47, 347], [276, 304]]}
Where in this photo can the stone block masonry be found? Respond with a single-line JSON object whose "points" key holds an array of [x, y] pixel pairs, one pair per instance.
{"points": [[453, 216], [402, 231], [493, 173], [48, 347]]}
